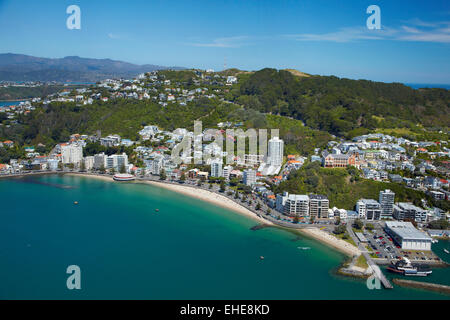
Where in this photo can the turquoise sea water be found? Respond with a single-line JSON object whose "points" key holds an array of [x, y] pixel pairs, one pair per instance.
{"points": [[126, 250]]}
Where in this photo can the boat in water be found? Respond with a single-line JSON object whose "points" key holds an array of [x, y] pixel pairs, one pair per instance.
{"points": [[406, 268], [124, 177], [446, 251]]}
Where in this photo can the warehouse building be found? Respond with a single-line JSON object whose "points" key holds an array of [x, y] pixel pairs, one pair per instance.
{"points": [[407, 236]]}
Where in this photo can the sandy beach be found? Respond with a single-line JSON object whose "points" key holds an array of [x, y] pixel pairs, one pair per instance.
{"points": [[211, 197], [201, 194], [328, 239]]}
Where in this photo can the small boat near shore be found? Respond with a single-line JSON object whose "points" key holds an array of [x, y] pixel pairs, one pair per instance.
{"points": [[124, 177], [446, 251], [406, 268]]}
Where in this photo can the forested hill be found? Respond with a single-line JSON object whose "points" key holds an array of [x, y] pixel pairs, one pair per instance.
{"points": [[343, 106]]}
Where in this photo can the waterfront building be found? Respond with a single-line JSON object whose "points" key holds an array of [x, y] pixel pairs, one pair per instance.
{"points": [[52, 164], [407, 236], [368, 209], [226, 171], [275, 152], [249, 177], [293, 204], [318, 206], [386, 201], [89, 163], [100, 161], [117, 161], [72, 153], [407, 211], [216, 169]]}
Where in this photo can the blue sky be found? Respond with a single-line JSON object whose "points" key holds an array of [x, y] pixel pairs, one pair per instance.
{"points": [[315, 36]]}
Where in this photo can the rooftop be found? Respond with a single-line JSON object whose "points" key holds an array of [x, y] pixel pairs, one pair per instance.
{"points": [[406, 230]]}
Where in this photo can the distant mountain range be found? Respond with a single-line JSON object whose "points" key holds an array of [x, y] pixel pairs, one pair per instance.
{"points": [[19, 67]]}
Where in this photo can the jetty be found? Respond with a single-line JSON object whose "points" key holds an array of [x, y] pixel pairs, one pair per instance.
{"points": [[423, 285]]}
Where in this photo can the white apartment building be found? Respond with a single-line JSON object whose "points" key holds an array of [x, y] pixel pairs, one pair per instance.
{"points": [[368, 209], [226, 172], [72, 153], [293, 204], [117, 161], [100, 160], [89, 162], [249, 177], [275, 152], [216, 169]]}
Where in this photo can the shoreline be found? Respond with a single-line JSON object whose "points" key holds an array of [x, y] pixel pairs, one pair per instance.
{"points": [[321, 236], [200, 194], [325, 238], [316, 234]]}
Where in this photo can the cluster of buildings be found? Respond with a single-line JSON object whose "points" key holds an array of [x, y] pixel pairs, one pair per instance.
{"points": [[380, 157], [314, 206]]}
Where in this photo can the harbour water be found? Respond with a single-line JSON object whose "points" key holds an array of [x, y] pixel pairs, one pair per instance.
{"points": [[10, 103], [126, 249]]}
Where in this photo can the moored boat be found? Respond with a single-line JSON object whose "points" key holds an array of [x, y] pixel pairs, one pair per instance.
{"points": [[406, 268]]}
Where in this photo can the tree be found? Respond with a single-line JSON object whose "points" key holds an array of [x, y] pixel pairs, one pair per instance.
{"points": [[339, 229], [102, 169], [369, 226], [222, 186], [358, 224], [296, 219], [210, 186], [258, 206], [183, 177], [162, 175], [269, 211], [439, 224], [122, 168]]}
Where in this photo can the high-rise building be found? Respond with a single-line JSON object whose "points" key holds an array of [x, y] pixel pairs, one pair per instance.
{"points": [[386, 201], [100, 161], [275, 152], [72, 153], [88, 163], [117, 161], [226, 172], [249, 177], [318, 206], [293, 204], [368, 209], [216, 169]]}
